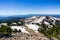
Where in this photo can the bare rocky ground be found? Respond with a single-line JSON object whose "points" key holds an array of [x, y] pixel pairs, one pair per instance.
{"points": [[25, 36]]}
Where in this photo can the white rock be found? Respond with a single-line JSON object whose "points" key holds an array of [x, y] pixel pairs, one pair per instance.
{"points": [[33, 26], [19, 28]]}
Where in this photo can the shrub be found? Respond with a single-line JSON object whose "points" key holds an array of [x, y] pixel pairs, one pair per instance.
{"points": [[5, 30], [53, 32], [15, 30], [19, 30]]}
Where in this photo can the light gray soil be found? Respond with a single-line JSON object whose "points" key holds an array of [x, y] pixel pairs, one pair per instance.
{"points": [[25, 36]]}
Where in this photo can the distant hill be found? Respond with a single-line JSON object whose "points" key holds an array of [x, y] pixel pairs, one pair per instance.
{"points": [[18, 17]]}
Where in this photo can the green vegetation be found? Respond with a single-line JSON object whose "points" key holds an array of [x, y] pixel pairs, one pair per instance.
{"points": [[5, 30], [19, 30], [52, 32]]}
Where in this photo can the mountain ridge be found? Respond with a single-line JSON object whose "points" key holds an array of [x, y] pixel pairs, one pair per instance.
{"points": [[36, 22], [18, 17]]}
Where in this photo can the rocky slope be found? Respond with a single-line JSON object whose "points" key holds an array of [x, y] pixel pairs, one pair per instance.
{"points": [[24, 36], [29, 28], [35, 22]]}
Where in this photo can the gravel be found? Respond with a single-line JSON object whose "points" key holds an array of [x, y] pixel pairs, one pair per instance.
{"points": [[25, 36]]}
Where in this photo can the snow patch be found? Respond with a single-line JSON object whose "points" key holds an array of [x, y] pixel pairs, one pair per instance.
{"points": [[33, 26], [46, 23], [23, 30]]}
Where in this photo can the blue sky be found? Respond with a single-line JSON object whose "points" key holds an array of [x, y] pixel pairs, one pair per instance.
{"points": [[23, 7]]}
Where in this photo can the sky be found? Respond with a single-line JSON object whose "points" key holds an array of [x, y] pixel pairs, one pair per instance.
{"points": [[23, 7]]}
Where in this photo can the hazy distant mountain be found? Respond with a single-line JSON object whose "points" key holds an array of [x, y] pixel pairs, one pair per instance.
{"points": [[12, 18]]}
